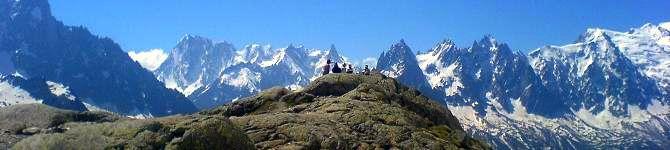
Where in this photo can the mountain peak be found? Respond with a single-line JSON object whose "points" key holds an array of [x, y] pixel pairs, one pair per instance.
{"points": [[332, 48], [258, 46], [400, 47], [447, 42], [90, 66], [332, 52], [595, 42], [253, 52], [648, 25], [595, 35], [293, 47], [444, 45], [400, 43], [488, 41], [223, 43], [34, 10], [191, 37], [661, 31], [665, 25]]}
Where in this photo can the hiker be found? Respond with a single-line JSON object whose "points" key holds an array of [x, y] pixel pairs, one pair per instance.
{"points": [[326, 68], [336, 68], [366, 70], [350, 70], [344, 68]]}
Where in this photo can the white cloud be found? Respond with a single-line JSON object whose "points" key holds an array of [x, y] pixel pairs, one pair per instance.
{"points": [[150, 59], [370, 61]]}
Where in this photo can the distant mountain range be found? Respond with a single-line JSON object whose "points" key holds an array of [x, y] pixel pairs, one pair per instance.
{"points": [[211, 74], [44, 61], [607, 90], [607, 84]]}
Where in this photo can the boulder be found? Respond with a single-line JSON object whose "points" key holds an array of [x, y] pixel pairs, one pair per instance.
{"points": [[31, 131]]}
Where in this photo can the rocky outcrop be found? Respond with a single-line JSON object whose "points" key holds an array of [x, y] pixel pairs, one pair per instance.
{"points": [[336, 111], [20, 121], [345, 111], [44, 127], [175, 132]]}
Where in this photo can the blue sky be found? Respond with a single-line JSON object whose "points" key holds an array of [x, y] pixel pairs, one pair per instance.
{"points": [[358, 28]]}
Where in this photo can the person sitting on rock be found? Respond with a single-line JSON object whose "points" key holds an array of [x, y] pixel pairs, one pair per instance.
{"points": [[350, 70], [336, 68], [326, 68], [344, 67], [366, 70]]}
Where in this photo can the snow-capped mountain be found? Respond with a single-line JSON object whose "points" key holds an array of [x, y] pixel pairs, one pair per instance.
{"points": [[194, 62], [648, 47], [604, 91], [401, 63], [486, 71], [594, 74], [41, 56], [211, 74], [291, 67], [254, 53]]}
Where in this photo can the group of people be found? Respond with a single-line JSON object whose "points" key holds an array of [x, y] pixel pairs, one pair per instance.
{"points": [[344, 69]]}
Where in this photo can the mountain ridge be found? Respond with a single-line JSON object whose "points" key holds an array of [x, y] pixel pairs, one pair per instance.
{"points": [[237, 73], [567, 97], [43, 48]]}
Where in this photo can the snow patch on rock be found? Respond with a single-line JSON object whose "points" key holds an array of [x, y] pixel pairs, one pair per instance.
{"points": [[12, 95], [58, 89], [244, 78]]}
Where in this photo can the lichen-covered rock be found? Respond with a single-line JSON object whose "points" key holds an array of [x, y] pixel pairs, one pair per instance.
{"points": [[18, 117], [175, 132], [20, 121], [212, 133], [345, 111]]}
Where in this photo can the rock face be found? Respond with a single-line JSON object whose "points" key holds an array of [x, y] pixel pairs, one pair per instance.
{"points": [[194, 62], [35, 45], [53, 128], [16, 90], [485, 71], [399, 62], [345, 111]]}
